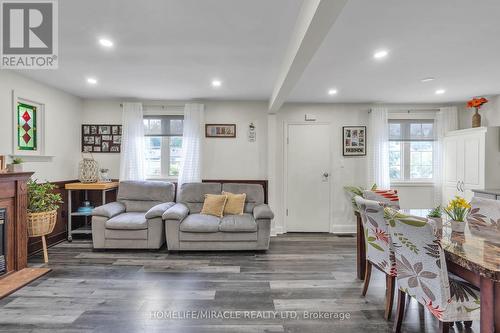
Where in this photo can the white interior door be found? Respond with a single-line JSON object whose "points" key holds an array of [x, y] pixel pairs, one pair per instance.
{"points": [[308, 178]]}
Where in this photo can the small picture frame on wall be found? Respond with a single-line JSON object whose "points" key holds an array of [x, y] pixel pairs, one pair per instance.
{"points": [[220, 130], [354, 140], [104, 129]]}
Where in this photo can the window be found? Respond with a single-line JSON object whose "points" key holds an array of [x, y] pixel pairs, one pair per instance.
{"points": [[163, 146], [411, 147]]}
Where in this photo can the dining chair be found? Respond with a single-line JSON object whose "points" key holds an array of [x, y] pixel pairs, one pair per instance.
{"points": [[379, 252], [389, 197], [423, 274], [484, 214]]}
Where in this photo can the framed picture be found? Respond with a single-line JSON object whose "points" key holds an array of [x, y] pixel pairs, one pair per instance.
{"points": [[101, 138], [220, 130], [104, 129], [354, 140]]}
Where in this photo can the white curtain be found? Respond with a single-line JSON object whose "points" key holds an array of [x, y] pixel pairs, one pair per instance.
{"points": [[192, 136], [446, 120], [132, 149], [378, 148]]}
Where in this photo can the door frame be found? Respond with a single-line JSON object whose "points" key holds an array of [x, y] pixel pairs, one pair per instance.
{"points": [[286, 125]]}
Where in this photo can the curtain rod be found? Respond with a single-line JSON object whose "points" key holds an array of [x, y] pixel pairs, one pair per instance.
{"points": [[411, 110], [163, 106]]}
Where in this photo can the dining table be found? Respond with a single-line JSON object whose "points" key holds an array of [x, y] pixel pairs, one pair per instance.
{"points": [[473, 255]]}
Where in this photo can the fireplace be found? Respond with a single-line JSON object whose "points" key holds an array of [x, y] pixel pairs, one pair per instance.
{"points": [[3, 238]]}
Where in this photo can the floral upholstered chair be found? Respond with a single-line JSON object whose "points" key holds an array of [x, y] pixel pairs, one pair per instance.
{"points": [[389, 197], [379, 252], [423, 275], [484, 216]]}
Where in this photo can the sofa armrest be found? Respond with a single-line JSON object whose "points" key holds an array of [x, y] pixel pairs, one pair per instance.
{"points": [[263, 212], [158, 210], [177, 212], [109, 210]]}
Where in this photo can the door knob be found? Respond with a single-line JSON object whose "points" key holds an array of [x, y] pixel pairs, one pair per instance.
{"points": [[326, 174]]}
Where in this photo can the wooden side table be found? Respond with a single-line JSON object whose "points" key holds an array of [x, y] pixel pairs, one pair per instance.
{"points": [[103, 187]]}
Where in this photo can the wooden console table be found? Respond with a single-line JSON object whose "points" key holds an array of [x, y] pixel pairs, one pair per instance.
{"points": [[103, 187]]}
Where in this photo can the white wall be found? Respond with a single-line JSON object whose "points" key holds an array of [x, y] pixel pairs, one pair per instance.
{"points": [[63, 114], [223, 158], [490, 113]]}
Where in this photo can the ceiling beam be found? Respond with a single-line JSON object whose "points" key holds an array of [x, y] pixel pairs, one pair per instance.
{"points": [[315, 19]]}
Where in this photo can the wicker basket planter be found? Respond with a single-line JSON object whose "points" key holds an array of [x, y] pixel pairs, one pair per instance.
{"points": [[41, 224]]}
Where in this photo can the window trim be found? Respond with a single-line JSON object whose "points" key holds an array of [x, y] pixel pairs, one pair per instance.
{"points": [[165, 143], [406, 150]]}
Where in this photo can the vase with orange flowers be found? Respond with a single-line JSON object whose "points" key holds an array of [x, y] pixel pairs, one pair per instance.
{"points": [[476, 103]]}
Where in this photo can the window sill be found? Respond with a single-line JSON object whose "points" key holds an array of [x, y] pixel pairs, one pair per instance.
{"points": [[412, 184], [174, 180]]}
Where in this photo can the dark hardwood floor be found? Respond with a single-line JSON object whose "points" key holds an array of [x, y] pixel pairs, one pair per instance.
{"points": [[135, 291]]}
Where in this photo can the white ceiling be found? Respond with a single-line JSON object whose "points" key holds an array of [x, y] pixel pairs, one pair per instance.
{"points": [[173, 49]]}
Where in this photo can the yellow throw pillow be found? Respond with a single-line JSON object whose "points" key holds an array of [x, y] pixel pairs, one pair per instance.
{"points": [[235, 203], [214, 204]]}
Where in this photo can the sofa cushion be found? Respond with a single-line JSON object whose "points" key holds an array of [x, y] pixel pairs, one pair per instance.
{"points": [[128, 221], [238, 223], [139, 205], [200, 223], [254, 192], [235, 203], [193, 194], [126, 234], [217, 237], [150, 190]]}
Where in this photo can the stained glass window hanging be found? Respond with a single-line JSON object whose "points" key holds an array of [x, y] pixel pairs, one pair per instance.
{"points": [[26, 127]]}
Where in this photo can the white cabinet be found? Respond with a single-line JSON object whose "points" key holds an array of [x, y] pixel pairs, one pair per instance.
{"points": [[471, 161]]}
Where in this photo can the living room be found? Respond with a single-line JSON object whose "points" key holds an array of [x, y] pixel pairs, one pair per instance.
{"points": [[201, 166]]}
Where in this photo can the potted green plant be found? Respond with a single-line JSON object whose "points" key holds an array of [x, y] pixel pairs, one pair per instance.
{"points": [[436, 215], [42, 211], [357, 190], [457, 210], [16, 165]]}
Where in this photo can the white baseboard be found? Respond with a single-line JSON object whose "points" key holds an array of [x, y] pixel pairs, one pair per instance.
{"points": [[277, 230], [344, 229]]}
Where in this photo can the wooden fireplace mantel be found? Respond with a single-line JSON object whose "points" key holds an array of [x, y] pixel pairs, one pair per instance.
{"points": [[14, 198]]}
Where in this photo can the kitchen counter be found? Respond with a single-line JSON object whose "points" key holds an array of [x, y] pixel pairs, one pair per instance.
{"points": [[487, 193]]}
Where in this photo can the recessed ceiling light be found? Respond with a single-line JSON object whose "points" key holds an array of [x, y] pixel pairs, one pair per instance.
{"points": [[428, 79], [380, 54], [91, 80], [106, 42], [332, 92], [216, 83], [440, 91]]}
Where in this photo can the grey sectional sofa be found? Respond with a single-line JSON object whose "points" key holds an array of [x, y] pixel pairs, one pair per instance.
{"points": [[134, 221], [186, 229]]}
